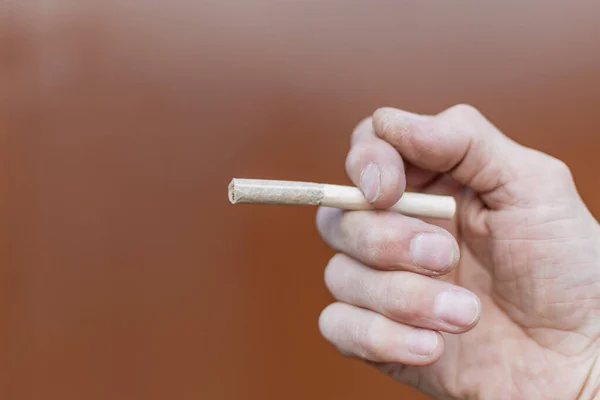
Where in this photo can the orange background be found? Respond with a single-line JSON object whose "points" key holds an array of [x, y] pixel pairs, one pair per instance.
{"points": [[125, 272]]}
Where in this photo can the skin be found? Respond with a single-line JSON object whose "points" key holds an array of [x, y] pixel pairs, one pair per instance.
{"points": [[503, 302]]}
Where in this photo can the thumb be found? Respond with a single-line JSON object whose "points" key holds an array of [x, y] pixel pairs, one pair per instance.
{"points": [[462, 143]]}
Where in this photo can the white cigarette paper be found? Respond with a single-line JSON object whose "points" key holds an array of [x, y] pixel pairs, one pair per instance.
{"points": [[260, 191]]}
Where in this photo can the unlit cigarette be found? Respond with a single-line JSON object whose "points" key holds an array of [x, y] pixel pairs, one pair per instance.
{"points": [[260, 191]]}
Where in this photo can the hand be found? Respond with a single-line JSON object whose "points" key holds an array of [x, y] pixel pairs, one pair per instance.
{"points": [[503, 302]]}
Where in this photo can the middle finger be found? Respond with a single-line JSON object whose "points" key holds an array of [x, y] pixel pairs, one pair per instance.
{"points": [[389, 241]]}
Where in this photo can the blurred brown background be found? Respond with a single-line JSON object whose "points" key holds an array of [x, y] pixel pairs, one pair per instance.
{"points": [[125, 272]]}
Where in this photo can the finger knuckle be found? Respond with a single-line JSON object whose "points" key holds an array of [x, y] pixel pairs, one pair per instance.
{"points": [[371, 340], [379, 246], [465, 111], [398, 296], [382, 112], [361, 129], [559, 168], [392, 299], [384, 123]]}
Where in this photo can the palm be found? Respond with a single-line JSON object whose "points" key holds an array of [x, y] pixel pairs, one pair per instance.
{"points": [[536, 302]]}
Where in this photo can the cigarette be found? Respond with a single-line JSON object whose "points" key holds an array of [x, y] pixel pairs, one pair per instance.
{"points": [[261, 191]]}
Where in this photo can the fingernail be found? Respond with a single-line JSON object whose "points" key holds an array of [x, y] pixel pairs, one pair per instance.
{"points": [[457, 308], [370, 182], [433, 251], [422, 342]]}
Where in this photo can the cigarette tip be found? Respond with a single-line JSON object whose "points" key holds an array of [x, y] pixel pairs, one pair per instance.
{"points": [[231, 191]]}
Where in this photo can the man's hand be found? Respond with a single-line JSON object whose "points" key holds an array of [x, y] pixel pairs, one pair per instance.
{"points": [[504, 302]]}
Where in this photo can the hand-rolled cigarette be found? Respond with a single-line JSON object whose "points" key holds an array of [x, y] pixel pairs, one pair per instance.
{"points": [[260, 191]]}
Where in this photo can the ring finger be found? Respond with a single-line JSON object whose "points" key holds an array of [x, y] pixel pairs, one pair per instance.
{"points": [[404, 297]]}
